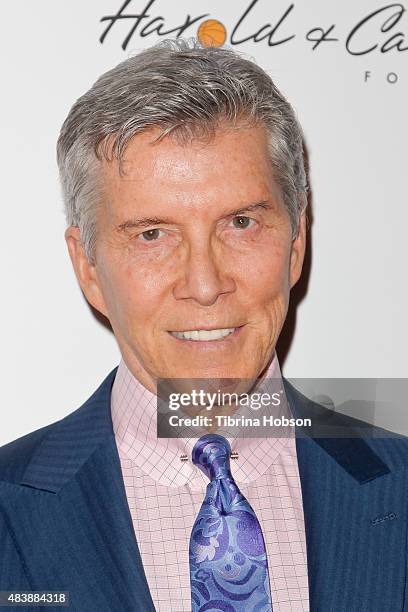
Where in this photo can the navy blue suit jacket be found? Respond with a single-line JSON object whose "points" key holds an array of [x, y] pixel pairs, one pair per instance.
{"points": [[65, 522]]}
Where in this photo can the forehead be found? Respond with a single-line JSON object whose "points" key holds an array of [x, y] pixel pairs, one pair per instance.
{"points": [[233, 166]]}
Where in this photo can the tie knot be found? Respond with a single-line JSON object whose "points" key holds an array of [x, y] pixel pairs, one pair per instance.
{"points": [[211, 453]]}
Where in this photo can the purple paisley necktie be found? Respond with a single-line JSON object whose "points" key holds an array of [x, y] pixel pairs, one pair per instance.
{"points": [[228, 563]]}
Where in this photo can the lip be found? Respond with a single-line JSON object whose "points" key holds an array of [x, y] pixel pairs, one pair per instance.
{"points": [[210, 344], [207, 328]]}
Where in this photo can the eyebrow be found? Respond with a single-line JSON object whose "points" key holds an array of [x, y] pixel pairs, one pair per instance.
{"points": [[138, 222]]}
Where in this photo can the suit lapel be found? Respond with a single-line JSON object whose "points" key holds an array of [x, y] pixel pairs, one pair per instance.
{"points": [[355, 521], [76, 531]]}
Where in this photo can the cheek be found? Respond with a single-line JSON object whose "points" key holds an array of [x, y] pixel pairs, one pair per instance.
{"points": [[266, 273], [133, 294]]}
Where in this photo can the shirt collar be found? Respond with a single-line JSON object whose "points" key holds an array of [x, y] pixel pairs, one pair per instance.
{"points": [[134, 418]]}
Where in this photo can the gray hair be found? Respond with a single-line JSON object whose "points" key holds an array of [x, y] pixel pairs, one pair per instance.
{"points": [[186, 91]]}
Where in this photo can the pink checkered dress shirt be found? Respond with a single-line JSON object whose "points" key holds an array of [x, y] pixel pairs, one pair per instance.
{"points": [[165, 494]]}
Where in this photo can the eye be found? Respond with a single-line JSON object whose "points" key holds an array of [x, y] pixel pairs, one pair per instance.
{"points": [[150, 235], [242, 221]]}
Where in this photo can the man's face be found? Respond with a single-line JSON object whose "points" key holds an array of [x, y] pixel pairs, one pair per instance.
{"points": [[174, 255]]}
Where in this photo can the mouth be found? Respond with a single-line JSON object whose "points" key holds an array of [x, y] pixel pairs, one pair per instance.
{"points": [[207, 335]]}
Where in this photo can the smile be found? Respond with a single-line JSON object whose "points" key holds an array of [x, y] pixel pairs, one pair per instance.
{"points": [[204, 335]]}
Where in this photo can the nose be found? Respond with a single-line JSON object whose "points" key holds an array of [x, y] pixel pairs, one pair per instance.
{"points": [[204, 275]]}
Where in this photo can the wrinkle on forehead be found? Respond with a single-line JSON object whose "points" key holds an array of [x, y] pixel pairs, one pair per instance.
{"points": [[230, 170], [187, 159]]}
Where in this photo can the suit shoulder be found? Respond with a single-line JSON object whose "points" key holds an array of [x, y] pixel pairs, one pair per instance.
{"points": [[391, 446], [15, 455]]}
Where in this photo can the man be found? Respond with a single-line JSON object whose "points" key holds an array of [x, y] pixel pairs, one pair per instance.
{"points": [[184, 183]]}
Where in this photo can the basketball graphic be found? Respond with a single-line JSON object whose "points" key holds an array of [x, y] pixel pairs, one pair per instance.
{"points": [[212, 33]]}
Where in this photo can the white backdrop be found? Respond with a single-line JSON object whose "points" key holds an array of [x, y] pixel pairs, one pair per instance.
{"points": [[352, 322]]}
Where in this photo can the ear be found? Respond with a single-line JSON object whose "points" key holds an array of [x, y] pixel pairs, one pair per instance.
{"points": [[84, 270], [298, 251]]}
